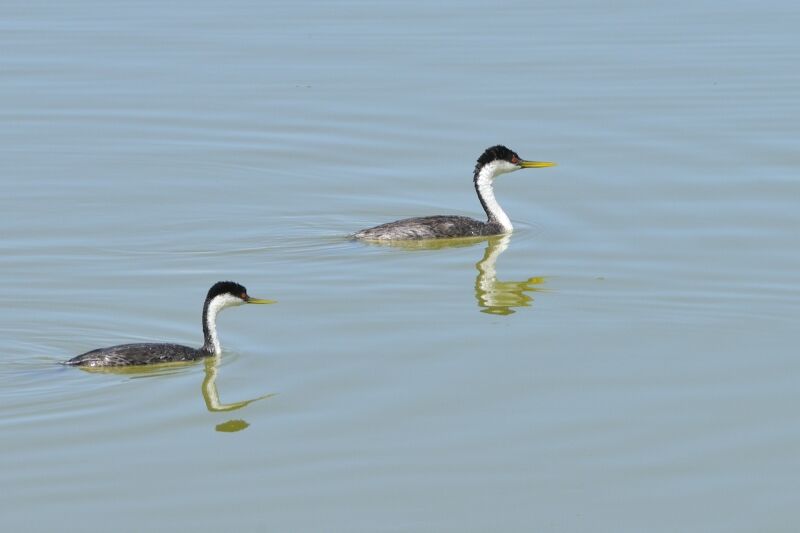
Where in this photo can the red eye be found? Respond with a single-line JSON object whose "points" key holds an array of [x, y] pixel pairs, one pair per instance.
{"points": [[515, 160]]}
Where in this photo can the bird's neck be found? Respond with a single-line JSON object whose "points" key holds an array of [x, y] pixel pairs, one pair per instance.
{"points": [[211, 341], [483, 186]]}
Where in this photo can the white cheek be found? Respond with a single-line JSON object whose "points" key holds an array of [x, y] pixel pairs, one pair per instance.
{"points": [[502, 167], [495, 168], [222, 301]]}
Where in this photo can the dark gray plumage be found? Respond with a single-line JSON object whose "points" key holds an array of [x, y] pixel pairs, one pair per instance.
{"points": [[138, 354], [432, 227]]}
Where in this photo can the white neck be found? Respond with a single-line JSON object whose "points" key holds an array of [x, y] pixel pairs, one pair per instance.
{"points": [[210, 327], [483, 184]]}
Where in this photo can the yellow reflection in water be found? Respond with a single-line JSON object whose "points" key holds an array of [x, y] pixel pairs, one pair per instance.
{"points": [[429, 244], [209, 387], [232, 426], [210, 394], [494, 297], [500, 297], [140, 371]]}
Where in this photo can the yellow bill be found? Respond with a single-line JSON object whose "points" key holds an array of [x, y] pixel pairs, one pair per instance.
{"points": [[259, 301], [536, 164]]}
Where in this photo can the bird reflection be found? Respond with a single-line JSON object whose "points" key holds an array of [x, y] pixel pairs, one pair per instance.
{"points": [[210, 394], [494, 297], [209, 387], [213, 403], [501, 297]]}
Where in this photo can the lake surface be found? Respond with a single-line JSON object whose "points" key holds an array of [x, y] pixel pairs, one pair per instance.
{"points": [[625, 361]]}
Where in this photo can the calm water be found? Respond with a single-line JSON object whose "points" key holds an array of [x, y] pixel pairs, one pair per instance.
{"points": [[626, 361]]}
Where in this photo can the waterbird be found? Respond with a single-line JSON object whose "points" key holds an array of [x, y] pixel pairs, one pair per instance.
{"points": [[221, 295], [494, 161]]}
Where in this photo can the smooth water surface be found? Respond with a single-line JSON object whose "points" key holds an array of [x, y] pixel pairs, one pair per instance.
{"points": [[625, 361]]}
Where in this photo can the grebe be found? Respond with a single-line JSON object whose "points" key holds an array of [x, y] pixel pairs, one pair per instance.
{"points": [[493, 162], [221, 295]]}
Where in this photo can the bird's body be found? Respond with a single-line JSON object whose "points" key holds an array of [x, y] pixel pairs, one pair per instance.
{"points": [[493, 162], [432, 227], [221, 295], [142, 353]]}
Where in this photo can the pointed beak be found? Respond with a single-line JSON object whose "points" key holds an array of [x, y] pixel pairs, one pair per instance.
{"points": [[259, 301], [536, 164]]}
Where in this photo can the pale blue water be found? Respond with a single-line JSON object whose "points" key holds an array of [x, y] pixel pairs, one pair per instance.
{"points": [[626, 361]]}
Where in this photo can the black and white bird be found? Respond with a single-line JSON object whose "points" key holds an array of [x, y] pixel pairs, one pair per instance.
{"points": [[221, 295], [493, 162]]}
